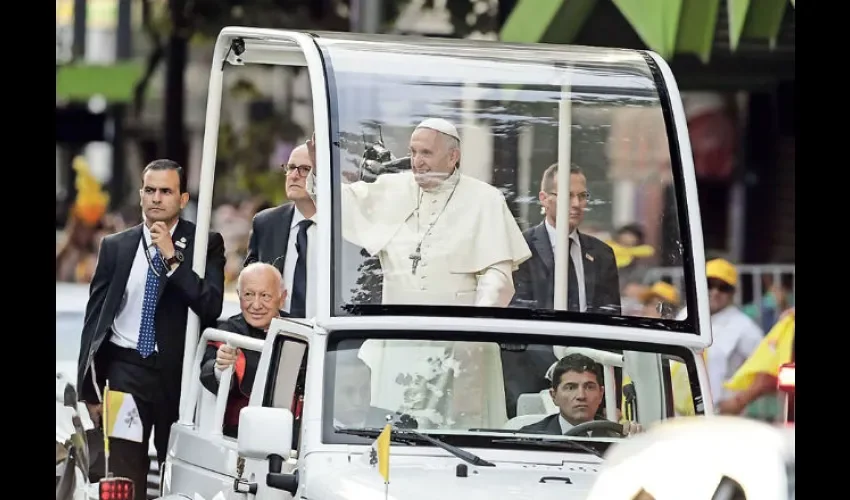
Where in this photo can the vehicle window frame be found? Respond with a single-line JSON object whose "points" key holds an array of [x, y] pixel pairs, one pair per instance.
{"points": [[689, 324], [300, 381], [328, 436]]}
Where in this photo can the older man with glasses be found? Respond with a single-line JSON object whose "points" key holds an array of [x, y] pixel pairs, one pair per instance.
{"points": [[283, 236], [736, 335]]}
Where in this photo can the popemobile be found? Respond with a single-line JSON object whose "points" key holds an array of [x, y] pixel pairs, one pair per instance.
{"points": [[460, 343]]}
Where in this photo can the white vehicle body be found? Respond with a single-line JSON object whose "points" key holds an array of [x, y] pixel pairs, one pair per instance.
{"points": [[328, 465], [759, 457]]}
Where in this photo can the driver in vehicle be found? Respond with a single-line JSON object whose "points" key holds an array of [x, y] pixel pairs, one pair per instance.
{"points": [[578, 393], [353, 398]]}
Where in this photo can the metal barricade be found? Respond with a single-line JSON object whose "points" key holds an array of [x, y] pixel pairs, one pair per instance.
{"points": [[749, 275]]}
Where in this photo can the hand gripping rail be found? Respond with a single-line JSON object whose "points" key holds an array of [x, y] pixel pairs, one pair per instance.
{"points": [[233, 340]]}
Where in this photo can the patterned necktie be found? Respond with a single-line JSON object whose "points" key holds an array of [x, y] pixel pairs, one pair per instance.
{"points": [[147, 331], [298, 306], [572, 282]]}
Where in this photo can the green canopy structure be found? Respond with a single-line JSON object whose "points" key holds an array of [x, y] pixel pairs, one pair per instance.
{"points": [[668, 27], [115, 82]]}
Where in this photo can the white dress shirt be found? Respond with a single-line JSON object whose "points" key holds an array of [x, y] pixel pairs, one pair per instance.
{"points": [[575, 261], [126, 325], [565, 426], [735, 337], [292, 257]]}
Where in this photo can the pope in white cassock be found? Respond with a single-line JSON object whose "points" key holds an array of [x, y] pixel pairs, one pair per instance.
{"points": [[442, 237]]}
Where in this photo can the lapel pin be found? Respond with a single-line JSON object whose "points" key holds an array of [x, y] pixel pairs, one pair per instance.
{"points": [[588, 257], [181, 243]]}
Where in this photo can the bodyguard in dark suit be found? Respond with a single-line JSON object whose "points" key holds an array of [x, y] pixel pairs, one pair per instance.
{"points": [[135, 323], [578, 392], [593, 282], [281, 236]]}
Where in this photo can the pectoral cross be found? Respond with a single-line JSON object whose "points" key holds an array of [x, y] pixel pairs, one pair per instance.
{"points": [[415, 257]]}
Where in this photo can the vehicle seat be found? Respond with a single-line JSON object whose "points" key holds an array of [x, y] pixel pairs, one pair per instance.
{"points": [[535, 403], [530, 403]]}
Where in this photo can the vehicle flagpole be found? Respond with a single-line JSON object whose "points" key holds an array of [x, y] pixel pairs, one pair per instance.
{"points": [[104, 424]]}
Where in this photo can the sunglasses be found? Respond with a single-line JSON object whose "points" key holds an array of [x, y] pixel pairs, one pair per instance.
{"points": [[720, 286]]}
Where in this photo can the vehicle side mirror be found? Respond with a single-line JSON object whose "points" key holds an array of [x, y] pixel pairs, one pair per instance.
{"points": [[266, 434]]}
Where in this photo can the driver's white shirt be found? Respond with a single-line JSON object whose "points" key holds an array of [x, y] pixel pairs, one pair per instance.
{"points": [[565, 426]]}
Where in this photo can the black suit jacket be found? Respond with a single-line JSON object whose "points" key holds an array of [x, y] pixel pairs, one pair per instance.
{"points": [[550, 425], [177, 293], [535, 282], [270, 235], [235, 324]]}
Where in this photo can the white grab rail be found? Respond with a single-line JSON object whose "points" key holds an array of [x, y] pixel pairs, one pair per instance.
{"points": [[233, 340]]}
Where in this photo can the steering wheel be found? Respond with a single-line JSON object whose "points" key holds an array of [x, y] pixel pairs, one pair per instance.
{"points": [[595, 425]]}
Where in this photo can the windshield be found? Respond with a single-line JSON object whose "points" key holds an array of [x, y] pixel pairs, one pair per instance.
{"points": [[463, 210], [480, 386], [69, 326]]}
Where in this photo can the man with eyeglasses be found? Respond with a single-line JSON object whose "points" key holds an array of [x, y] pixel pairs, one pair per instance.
{"points": [[284, 236], [593, 280], [736, 335]]}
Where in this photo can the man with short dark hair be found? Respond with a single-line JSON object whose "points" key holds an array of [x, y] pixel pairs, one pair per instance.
{"points": [[593, 281], [577, 391], [135, 324]]}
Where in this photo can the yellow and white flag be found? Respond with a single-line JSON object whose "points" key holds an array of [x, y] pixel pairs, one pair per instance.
{"points": [[379, 454], [121, 416]]}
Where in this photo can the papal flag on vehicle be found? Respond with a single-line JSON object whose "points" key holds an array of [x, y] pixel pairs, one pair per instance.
{"points": [[379, 453], [121, 416]]}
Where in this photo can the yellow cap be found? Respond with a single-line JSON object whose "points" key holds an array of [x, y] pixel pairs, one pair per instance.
{"points": [[722, 270], [664, 291]]}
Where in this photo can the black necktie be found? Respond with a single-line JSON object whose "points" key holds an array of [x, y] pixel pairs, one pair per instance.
{"points": [[298, 307], [572, 282]]}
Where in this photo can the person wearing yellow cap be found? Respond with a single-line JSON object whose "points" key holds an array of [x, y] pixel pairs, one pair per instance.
{"points": [[661, 300], [757, 377], [735, 335]]}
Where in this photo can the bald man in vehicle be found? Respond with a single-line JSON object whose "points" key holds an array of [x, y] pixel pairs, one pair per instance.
{"points": [[442, 237], [261, 297]]}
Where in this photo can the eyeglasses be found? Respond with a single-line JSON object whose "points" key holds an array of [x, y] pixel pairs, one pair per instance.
{"points": [[583, 196], [303, 170]]}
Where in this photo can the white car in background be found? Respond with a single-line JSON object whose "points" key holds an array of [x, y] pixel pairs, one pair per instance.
{"points": [[71, 299], [716, 457]]}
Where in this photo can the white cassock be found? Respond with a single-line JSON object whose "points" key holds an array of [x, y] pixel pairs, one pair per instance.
{"points": [[468, 257]]}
